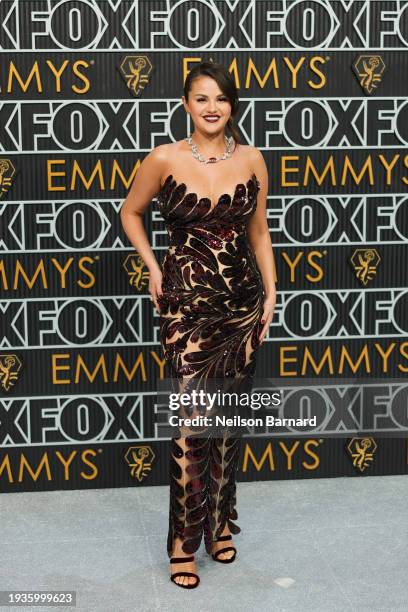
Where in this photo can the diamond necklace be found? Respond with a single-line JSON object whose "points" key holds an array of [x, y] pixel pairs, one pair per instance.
{"points": [[229, 141]]}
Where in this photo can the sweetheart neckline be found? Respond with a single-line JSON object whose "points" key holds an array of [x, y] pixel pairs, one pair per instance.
{"points": [[187, 193]]}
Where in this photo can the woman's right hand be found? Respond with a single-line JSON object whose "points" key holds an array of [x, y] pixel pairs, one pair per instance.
{"points": [[155, 287]]}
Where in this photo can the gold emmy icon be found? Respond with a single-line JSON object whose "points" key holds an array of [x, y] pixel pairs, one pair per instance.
{"points": [[139, 459], [7, 172], [362, 452], [369, 70], [135, 70], [9, 368], [133, 265], [365, 262]]}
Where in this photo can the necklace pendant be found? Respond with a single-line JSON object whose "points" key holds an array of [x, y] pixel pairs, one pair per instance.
{"points": [[211, 160]]}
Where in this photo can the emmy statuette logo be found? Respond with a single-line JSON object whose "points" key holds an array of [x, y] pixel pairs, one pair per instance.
{"points": [[10, 366], [365, 262], [369, 70], [361, 451], [135, 70], [139, 459], [7, 172], [138, 278]]}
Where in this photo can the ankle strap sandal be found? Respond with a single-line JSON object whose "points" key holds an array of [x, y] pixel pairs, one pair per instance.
{"points": [[189, 574], [225, 549]]}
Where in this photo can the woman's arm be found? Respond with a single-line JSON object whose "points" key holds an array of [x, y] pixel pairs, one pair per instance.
{"points": [[260, 240], [145, 186]]}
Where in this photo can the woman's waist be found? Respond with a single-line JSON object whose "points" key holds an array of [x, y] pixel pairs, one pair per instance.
{"points": [[227, 261], [224, 252], [223, 231]]}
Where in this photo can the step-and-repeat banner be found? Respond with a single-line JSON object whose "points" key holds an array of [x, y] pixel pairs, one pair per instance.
{"points": [[87, 89]]}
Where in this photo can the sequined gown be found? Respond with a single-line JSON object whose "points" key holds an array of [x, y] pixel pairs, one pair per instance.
{"points": [[210, 313]]}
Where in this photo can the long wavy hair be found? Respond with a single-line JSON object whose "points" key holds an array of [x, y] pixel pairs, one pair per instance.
{"points": [[225, 82]]}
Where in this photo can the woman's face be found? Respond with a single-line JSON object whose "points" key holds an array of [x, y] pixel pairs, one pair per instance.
{"points": [[206, 98]]}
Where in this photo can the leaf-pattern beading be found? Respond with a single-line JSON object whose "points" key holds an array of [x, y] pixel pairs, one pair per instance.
{"points": [[210, 312]]}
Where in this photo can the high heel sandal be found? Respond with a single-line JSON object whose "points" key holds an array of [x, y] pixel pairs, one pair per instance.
{"points": [[225, 549], [173, 576]]}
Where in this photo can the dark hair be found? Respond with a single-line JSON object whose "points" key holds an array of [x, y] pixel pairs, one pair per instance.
{"points": [[219, 73]]}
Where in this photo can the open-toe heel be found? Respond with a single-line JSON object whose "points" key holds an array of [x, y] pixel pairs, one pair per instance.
{"points": [[225, 549], [189, 574]]}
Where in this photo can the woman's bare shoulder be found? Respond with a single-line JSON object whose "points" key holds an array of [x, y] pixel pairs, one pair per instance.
{"points": [[256, 159], [160, 152], [253, 152], [165, 152], [246, 152]]}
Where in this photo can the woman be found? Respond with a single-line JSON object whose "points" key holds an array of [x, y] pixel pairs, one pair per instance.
{"points": [[215, 295]]}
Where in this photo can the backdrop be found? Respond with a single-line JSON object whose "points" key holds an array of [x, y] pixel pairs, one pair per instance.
{"points": [[88, 88]]}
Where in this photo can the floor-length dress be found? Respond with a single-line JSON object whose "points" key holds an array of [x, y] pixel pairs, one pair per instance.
{"points": [[210, 313]]}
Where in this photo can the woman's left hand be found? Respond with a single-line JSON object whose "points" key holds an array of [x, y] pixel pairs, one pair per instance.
{"points": [[267, 315]]}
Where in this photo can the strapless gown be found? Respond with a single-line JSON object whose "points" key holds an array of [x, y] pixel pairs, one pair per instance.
{"points": [[210, 312]]}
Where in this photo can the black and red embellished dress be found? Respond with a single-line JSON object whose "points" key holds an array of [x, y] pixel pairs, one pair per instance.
{"points": [[210, 313]]}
